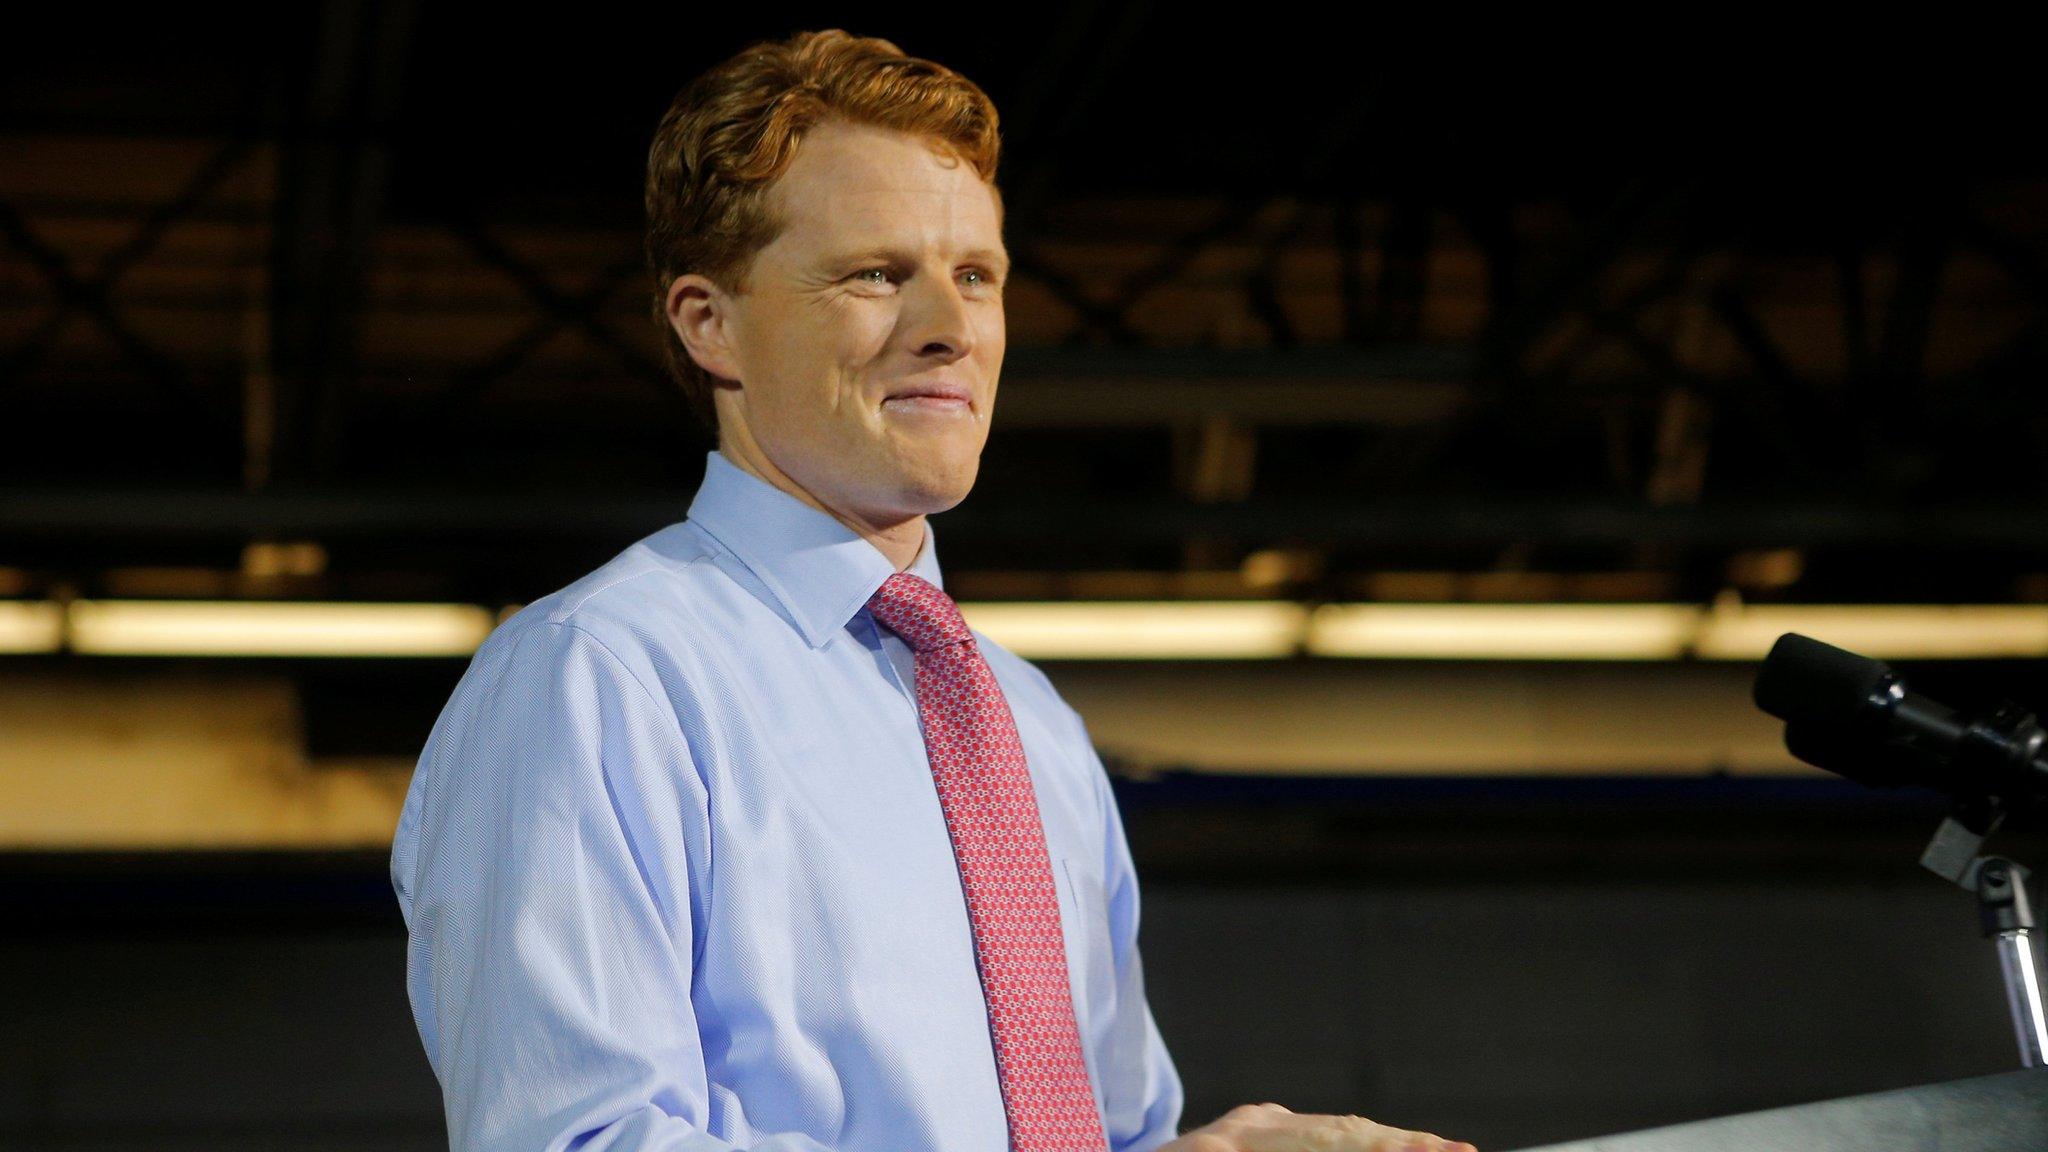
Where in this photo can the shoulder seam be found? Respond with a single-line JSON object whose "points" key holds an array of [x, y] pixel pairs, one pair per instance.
{"points": [[568, 610], [648, 567]]}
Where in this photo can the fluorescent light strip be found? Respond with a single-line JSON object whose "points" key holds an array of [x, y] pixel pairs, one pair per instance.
{"points": [[1125, 630], [1111, 630], [1669, 631], [275, 628], [28, 626], [1503, 631], [1881, 631]]}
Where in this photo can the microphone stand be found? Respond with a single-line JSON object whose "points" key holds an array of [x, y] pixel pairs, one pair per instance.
{"points": [[2003, 908]]}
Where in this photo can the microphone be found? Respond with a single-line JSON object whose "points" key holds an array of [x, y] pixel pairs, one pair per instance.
{"points": [[1855, 717]]}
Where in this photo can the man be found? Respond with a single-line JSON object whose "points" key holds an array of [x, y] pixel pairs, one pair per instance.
{"points": [[743, 840]]}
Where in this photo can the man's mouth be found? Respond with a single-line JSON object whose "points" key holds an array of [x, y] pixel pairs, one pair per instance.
{"points": [[931, 398]]}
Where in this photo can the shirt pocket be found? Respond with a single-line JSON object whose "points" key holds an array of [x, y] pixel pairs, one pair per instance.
{"points": [[1084, 923]]}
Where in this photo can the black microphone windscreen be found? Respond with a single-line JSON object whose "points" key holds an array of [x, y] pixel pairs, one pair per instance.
{"points": [[1815, 683]]}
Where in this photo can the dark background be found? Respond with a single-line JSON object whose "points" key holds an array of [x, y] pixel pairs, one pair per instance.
{"points": [[1660, 310]]}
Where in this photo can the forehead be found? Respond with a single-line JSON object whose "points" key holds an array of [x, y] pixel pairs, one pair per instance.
{"points": [[859, 183]]}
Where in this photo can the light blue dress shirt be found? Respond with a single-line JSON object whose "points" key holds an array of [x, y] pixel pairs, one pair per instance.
{"points": [[676, 876]]}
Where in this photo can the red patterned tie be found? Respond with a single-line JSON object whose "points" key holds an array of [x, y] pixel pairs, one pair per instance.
{"points": [[999, 843]]}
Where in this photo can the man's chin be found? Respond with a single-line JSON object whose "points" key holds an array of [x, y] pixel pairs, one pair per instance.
{"points": [[930, 492], [932, 501]]}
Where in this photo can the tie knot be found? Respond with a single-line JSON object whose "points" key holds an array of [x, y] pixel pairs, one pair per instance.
{"points": [[918, 611]]}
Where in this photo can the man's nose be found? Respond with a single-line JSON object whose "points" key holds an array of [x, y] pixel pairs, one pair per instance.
{"points": [[935, 319]]}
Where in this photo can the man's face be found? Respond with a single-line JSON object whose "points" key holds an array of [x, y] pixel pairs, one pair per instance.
{"points": [[882, 293]]}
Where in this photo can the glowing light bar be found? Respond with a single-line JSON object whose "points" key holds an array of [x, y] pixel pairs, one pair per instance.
{"points": [[1880, 631], [1503, 631], [28, 626], [1109, 630], [1124, 630], [281, 628]]}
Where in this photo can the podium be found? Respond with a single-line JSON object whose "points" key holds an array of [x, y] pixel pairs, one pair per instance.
{"points": [[2006, 1112]]}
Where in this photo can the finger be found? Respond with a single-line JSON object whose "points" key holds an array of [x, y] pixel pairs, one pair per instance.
{"points": [[1248, 1116], [1315, 1133], [1431, 1142]]}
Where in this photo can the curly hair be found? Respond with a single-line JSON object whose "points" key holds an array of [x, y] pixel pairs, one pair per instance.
{"points": [[732, 132]]}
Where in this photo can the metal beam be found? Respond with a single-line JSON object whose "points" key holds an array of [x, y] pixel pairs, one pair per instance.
{"points": [[1101, 388], [333, 162], [559, 309], [158, 514]]}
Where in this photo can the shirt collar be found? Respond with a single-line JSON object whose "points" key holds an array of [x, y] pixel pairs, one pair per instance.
{"points": [[820, 570]]}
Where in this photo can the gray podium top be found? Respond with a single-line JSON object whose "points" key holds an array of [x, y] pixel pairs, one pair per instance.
{"points": [[2007, 1112]]}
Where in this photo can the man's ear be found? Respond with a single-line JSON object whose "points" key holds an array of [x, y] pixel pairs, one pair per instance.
{"points": [[700, 311]]}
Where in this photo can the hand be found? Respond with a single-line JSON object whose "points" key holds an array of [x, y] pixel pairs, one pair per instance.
{"points": [[1271, 1128]]}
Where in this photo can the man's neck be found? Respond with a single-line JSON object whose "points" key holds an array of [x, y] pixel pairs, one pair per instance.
{"points": [[901, 542]]}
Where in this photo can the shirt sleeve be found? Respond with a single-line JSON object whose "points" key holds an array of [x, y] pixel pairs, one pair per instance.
{"points": [[548, 904], [1141, 1088]]}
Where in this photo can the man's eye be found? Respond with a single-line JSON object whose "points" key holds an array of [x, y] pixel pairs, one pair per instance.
{"points": [[872, 275]]}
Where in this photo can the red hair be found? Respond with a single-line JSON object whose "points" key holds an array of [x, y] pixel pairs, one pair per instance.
{"points": [[732, 132]]}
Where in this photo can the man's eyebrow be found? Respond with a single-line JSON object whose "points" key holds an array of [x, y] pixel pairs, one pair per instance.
{"points": [[882, 254], [993, 257]]}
